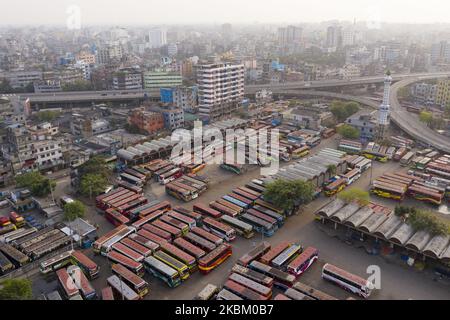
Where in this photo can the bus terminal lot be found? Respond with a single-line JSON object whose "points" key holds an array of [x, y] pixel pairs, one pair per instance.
{"points": [[397, 282]]}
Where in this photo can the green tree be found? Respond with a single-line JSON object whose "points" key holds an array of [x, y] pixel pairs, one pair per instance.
{"points": [[342, 110], [48, 115], [426, 117], [80, 85], [16, 289], [93, 184], [331, 169], [39, 185], [355, 194], [348, 132], [73, 210], [289, 195]]}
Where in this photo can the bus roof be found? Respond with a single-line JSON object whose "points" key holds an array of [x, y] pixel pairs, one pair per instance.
{"points": [[303, 257], [122, 287], [161, 266], [84, 260], [128, 275], [274, 252], [189, 247]]}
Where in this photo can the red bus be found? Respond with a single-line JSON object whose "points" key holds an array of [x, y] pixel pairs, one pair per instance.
{"points": [[241, 198], [254, 254], [252, 285], [230, 205], [127, 207], [281, 296], [242, 291], [163, 206], [152, 237], [224, 231], [180, 255], [141, 222], [122, 204], [105, 202], [175, 223], [207, 235], [200, 242], [189, 248], [303, 261], [191, 214], [223, 209], [110, 195], [159, 232], [254, 275], [115, 217], [250, 191], [214, 258], [134, 214], [268, 205], [130, 186], [281, 279], [66, 283], [107, 293], [89, 267], [274, 252], [107, 236], [262, 216], [126, 251], [132, 265], [206, 211], [139, 285], [247, 195], [139, 248], [175, 232], [144, 242], [183, 218]]}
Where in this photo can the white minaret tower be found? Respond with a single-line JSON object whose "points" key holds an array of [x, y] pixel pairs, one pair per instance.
{"points": [[383, 112]]}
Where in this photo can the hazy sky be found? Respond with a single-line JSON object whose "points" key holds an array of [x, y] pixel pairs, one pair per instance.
{"points": [[220, 11]]}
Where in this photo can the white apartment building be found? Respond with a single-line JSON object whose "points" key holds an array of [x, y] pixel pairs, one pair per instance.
{"points": [[48, 153], [220, 89], [157, 38]]}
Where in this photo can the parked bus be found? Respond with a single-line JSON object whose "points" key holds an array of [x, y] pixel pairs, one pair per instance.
{"points": [[54, 263], [113, 216], [237, 202], [296, 295], [240, 198], [230, 205], [286, 256], [250, 196], [223, 209], [426, 194], [139, 285], [264, 291], [180, 193], [336, 185], [389, 191], [138, 224], [207, 293], [200, 242], [256, 187], [191, 214], [89, 267], [130, 186], [175, 223], [167, 177], [254, 254], [215, 258], [222, 230], [180, 267], [162, 206], [182, 218], [300, 152], [132, 179], [244, 229], [189, 248], [264, 217], [352, 176], [157, 231], [144, 242], [235, 168], [107, 246], [280, 218], [137, 247], [121, 290], [348, 281], [151, 237], [15, 256], [206, 211], [128, 252], [274, 252], [66, 283], [162, 271], [107, 294], [253, 275], [262, 226], [107, 236], [312, 292], [207, 235], [281, 279], [303, 261], [180, 255], [82, 283], [242, 291], [225, 294], [5, 264], [174, 232], [406, 159], [132, 265]]}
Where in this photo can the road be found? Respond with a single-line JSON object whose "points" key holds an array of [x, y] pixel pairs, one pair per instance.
{"points": [[410, 124], [251, 89]]}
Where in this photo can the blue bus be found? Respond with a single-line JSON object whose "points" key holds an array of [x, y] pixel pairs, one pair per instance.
{"points": [[236, 202]]}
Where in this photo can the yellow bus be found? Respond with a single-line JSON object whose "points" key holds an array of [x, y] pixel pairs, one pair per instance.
{"points": [[181, 268]]}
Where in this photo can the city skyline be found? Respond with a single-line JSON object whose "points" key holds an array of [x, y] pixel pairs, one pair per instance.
{"points": [[206, 12]]}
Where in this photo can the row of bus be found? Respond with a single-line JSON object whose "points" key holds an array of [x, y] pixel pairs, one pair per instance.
{"points": [[186, 187], [396, 186]]}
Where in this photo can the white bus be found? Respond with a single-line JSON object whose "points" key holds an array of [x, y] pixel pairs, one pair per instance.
{"points": [[348, 281], [241, 227]]}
